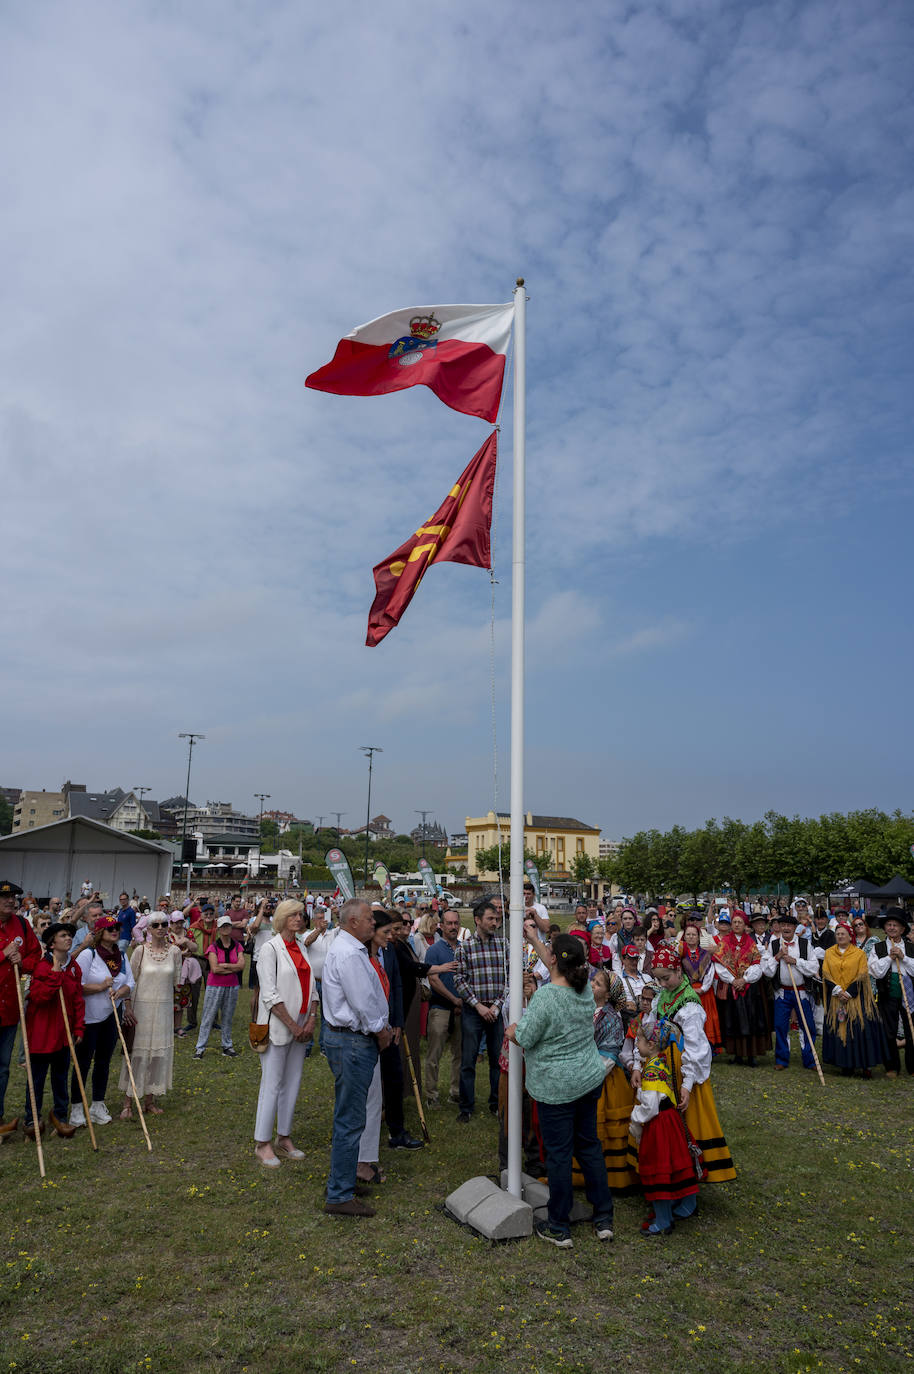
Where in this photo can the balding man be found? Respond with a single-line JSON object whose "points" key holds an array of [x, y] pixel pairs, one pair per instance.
{"points": [[357, 1028]]}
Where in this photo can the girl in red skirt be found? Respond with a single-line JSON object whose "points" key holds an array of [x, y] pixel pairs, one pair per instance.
{"points": [[665, 1162]]}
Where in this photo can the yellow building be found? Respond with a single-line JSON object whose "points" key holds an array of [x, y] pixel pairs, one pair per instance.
{"points": [[561, 836], [38, 808]]}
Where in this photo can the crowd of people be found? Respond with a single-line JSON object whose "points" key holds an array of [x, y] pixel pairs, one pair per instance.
{"points": [[624, 1015]]}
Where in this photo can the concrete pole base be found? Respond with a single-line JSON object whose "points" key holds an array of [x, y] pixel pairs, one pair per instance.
{"points": [[495, 1214]]}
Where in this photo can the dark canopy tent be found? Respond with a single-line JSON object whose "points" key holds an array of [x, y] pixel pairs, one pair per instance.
{"points": [[897, 887], [862, 888]]}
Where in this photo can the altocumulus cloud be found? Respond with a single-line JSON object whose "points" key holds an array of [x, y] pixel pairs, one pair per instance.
{"points": [[712, 205]]}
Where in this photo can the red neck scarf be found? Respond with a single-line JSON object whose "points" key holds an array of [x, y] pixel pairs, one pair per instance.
{"points": [[381, 972], [111, 958], [737, 953]]}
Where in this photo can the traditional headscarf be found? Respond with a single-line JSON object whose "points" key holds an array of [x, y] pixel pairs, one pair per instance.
{"points": [[656, 1074], [671, 999], [694, 962], [666, 956], [737, 953]]}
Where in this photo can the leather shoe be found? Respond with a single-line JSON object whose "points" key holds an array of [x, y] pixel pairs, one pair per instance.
{"points": [[352, 1208], [61, 1128], [30, 1130], [9, 1129], [405, 1142]]}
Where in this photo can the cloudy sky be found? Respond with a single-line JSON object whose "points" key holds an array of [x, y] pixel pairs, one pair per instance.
{"points": [[712, 205]]}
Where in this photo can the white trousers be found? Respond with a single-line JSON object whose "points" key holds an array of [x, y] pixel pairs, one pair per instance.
{"points": [[280, 1078], [370, 1143]]}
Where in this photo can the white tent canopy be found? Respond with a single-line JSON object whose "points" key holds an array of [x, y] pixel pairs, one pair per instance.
{"points": [[55, 859]]}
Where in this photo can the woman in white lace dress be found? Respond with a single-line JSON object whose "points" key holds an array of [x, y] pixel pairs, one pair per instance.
{"points": [[156, 966]]}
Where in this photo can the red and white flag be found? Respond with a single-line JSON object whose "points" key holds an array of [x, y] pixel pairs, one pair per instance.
{"points": [[458, 351], [458, 532]]}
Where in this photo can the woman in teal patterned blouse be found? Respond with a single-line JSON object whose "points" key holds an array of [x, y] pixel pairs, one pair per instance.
{"points": [[564, 1076]]}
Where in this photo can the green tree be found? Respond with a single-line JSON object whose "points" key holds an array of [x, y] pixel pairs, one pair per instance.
{"points": [[582, 868], [634, 864], [700, 860], [6, 816], [606, 870], [487, 860]]}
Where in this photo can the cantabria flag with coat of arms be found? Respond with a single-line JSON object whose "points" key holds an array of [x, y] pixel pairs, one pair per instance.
{"points": [[458, 351]]}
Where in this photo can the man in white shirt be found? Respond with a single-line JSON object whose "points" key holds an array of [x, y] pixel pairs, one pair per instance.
{"points": [[791, 954], [317, 942], [357, 1028], [534, 910]]}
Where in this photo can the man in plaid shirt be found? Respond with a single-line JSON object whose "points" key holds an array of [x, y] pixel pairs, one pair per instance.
{"points": [[481, 982]]}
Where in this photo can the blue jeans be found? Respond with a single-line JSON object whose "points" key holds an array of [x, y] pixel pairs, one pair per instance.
{"points": [[569, 1131], [474, 1030], [352, 1059], [7, 1039], [783, 1007]]}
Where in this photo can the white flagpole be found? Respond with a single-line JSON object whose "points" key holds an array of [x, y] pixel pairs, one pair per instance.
{"points": [[516, 947]]}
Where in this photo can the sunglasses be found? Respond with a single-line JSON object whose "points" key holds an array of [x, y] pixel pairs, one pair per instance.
{"points": [[158, 925]]}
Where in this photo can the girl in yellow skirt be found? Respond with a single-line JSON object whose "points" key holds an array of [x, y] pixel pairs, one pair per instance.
{"points": [[691, 1067], [618, 1097]]}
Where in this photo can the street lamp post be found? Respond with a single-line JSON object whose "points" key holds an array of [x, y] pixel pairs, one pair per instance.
{"points": [[423, 814], [338, 815], [141, 792], [191, 738], [261, 797], [369, 750]]}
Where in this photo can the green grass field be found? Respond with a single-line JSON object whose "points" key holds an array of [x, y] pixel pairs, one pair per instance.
{"points": [[195, 1258]]}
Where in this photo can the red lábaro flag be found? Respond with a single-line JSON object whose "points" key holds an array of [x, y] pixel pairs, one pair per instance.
{"points": [[458, 532], [458, 351]]}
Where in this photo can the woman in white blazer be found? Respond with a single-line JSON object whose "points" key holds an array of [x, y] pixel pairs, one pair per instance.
{"points": [[288, 1004]]}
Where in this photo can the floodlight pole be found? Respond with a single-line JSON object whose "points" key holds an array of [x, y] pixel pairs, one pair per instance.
{"points": [[369, 750], [191, 738]]}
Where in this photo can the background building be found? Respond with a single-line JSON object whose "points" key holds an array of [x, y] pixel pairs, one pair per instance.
{"points": [[218, 819], [561, 836], [430, 833], [379, 828], [34, 809]]}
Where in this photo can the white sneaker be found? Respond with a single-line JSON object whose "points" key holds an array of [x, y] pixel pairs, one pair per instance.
{"points": [[99, 1113], [78, 1115]]}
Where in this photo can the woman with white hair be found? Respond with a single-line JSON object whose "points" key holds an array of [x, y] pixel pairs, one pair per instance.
{"points": [[287, 1007]]}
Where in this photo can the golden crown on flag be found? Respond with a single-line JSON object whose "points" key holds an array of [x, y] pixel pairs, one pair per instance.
{"points": [[424, 326]]}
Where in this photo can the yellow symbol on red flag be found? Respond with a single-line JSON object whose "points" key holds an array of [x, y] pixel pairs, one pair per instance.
{"points": [[458, 532]]}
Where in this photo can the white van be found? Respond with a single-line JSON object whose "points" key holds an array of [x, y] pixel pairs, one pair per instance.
{"points": [[411, 892]]}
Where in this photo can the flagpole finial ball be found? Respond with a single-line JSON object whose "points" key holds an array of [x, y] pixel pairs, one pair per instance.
{"points": [[520, 281]]}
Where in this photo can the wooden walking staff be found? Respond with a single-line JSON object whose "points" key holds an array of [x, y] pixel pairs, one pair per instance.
{"points": [[76, 1068], [812, 1043], [412, 1073], [28, 1071], [904, 994], [136, 1096]]}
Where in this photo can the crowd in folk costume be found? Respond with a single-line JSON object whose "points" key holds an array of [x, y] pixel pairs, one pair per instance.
{"points": [[624, 1016]]}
